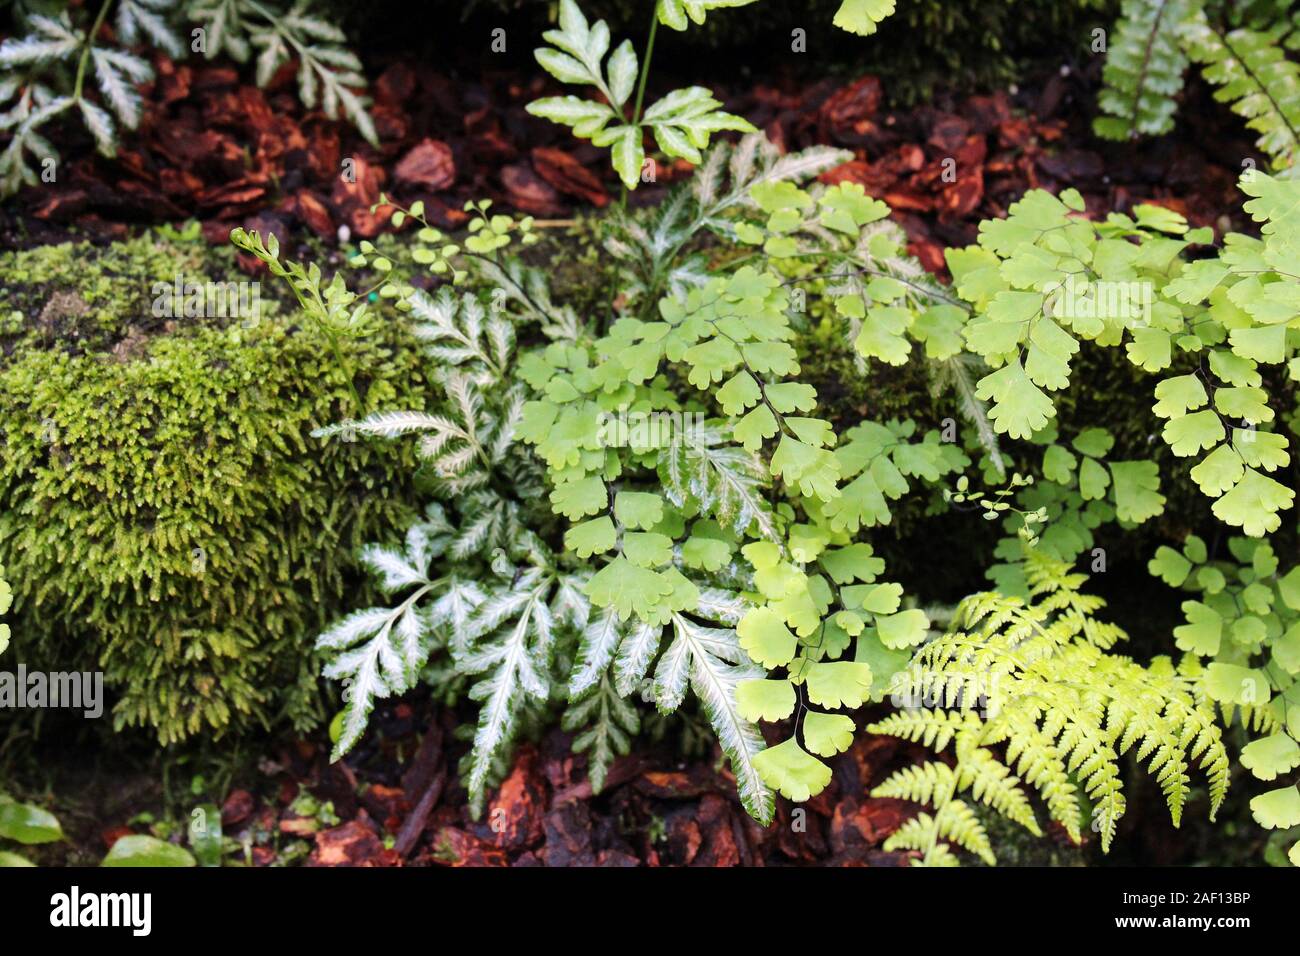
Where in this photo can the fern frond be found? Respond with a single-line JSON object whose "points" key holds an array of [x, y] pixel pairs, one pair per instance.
{"points": [[377, 653], [600, 640], [465, 324], [329, 75], [957, 823], [51, 39], [635, 653], [389, 425], [674, 13], [1256, 79], [510, 646], [714, 682], [955, 374], [923, 832], [1065, 708], [990, 782], [932, 782], [722, 480], [141, 20], [606, 723], [1144, 69], [116, 73], [933, 728], [223, 26]]}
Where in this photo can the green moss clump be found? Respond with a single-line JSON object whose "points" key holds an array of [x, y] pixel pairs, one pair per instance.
{"points": [[80, 296], [165, 515]]}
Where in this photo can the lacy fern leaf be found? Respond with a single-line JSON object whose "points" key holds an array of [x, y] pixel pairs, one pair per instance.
{"points": [[605, 724], [1032, 676]]}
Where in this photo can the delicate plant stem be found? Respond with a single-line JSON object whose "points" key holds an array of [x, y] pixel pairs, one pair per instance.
{"points": [[643, 79], [332, 337], [645, 69], [348, 370], [85, 52]]}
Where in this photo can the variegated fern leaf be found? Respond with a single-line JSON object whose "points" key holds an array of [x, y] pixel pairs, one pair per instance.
{"points": [[462, 331], [52, 66], [486, 483], [446, 599], [720, 479], [35, 104], [693, 653], [378, 652], [682, 123], [149, 21], [508, 644], [1028, 693], [711, 661], [33, 68], [329, 74]]}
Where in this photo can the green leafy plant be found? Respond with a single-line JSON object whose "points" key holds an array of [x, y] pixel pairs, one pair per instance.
{"points": [[27, 825], [1241, 48], [692, 521], [1245, 623], [49, 68], [1029, 697], [706, 543], [1043, 280], [705, 529], [1059, 512], [142, 850], [1217, 328], [682, 122], [856, 16]]}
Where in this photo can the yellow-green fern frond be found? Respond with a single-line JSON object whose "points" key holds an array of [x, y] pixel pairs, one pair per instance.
{"points": [[957, 823], [991, 783], [933, 728], [932, 782], [1030, 699]]}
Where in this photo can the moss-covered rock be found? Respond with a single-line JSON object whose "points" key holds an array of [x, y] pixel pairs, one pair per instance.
{"points": [[165, 515]]}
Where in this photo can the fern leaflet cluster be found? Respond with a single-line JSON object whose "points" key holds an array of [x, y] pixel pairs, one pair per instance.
{"points": [[1029, 698]]}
